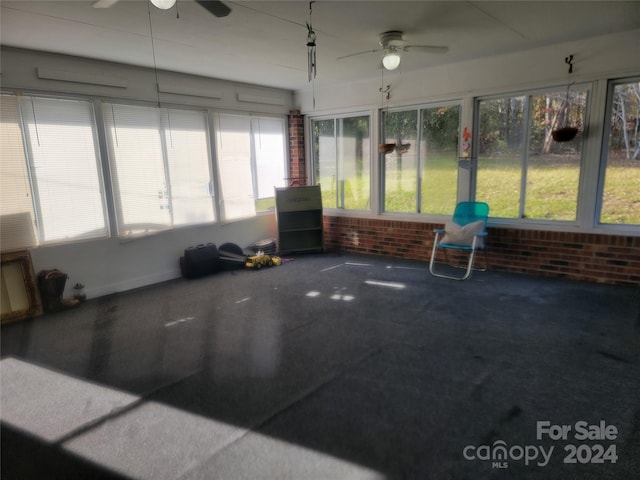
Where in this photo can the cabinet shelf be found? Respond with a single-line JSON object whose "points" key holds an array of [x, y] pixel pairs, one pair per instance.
{"points": [[299, 218]]}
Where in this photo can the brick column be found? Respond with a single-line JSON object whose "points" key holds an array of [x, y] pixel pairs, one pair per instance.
{"points": [[297, 172]]}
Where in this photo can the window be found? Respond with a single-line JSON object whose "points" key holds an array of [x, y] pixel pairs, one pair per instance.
{"points": [[270, 158], [421, 174], [621, 156], [341, 157], [56, 169], [401, 166], [233, 143], [17, 225], [439, 151], [522, 172], [160, 167], [251, 162]]}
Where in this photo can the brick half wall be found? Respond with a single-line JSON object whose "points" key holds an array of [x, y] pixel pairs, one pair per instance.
{"points": [[297, 171], [578, 256]]}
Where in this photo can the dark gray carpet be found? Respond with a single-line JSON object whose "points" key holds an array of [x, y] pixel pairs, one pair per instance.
{"points": [[331, 367]]}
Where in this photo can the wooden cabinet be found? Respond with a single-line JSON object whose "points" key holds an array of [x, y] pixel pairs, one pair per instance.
{"points": [[299, 217]]}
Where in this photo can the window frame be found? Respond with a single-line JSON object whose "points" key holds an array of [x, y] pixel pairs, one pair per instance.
{"points": [[339, 167], [116, 202], [616, 228], [539, 223], [253, 119], [421, 159], [34, 187], [105, 171]]}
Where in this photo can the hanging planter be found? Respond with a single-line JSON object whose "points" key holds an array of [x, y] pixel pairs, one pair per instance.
{"points": [[386, 148], [403, 148], [566, 133]]}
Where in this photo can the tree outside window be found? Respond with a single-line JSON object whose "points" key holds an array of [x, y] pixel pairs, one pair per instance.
{"points": [[421, 174], [621, 156], [341, 156], [522, 171]]}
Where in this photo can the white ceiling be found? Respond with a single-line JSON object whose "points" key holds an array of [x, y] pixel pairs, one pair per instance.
{"points": [[264, 42]]}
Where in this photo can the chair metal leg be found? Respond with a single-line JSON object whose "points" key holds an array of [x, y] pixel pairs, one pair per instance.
{"points": [[486, 262], [468, 269]]}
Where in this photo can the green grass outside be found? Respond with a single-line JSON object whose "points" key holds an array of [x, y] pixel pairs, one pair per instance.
{"points": [[552, 188], [356, 193], [263, 204], [438, 186], [621, 199]]}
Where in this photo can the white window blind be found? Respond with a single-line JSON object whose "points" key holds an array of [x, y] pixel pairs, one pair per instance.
{"points": [[62, 152], [189, 166], [17, 219], [160, 167], [233, 144], [270, 142]]}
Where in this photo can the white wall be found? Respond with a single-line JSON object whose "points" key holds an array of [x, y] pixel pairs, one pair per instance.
{"points": [[111, 265], [114, 265], [596, 58], [31, 70]]}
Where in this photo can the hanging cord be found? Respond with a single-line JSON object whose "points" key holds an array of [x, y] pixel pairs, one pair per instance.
{"points": [[566, 133], [169, 126], [115, 127], [259, 133], [35, 121], [153, 51], [569, 61], [386, 93], [566, 105], [25, 177]]}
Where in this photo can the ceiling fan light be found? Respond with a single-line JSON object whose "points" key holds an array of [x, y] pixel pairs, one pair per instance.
{"points": [[163, 4], [391, 60]]}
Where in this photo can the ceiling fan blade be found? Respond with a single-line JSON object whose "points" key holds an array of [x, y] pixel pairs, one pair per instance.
{"points": [[426, 48], [359, 53], [219, 9], [104, 3]]}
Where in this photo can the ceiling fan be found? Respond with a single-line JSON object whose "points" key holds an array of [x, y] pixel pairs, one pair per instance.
{"points": [[393, 45], [219, 9]]}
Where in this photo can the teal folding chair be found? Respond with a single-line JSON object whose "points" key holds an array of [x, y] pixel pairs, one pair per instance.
{"points": [[465, 232]]}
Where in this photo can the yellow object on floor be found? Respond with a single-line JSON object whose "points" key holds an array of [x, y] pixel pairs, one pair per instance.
{"points": [[262, 260]]}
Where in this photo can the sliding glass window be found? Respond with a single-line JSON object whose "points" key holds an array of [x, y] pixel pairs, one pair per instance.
{"points": [[620, 197], [251, 162], [341, 161], [421, 173], [523, 172], [160, 167]]}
